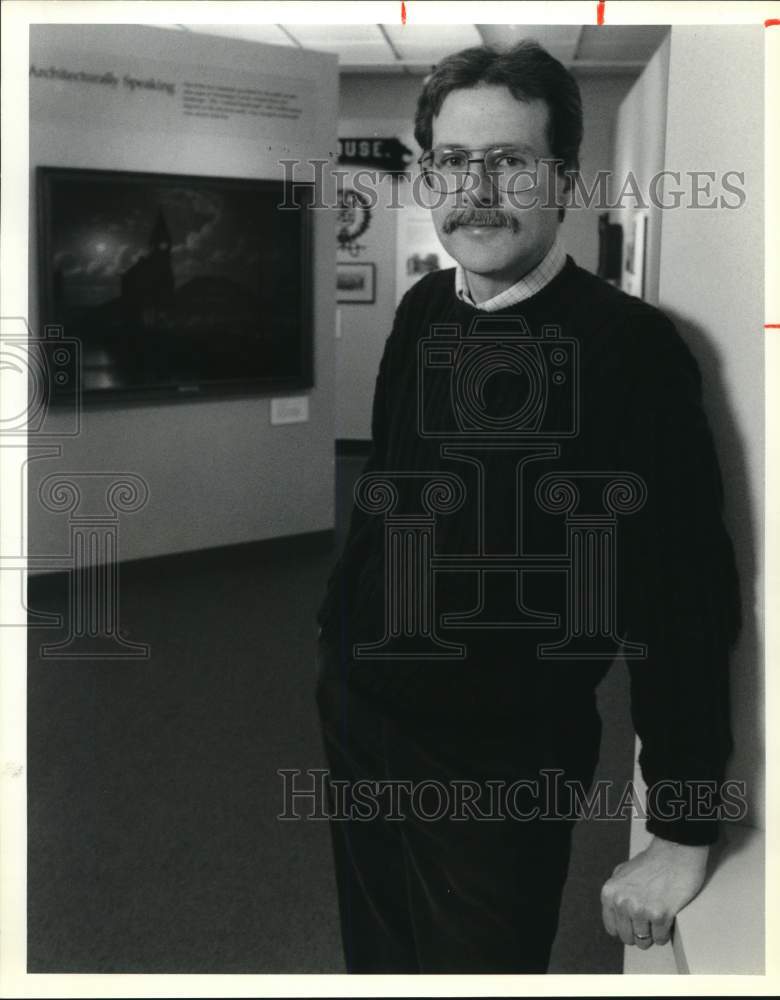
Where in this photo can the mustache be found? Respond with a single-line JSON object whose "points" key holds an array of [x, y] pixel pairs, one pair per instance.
{"points": [[479, 217]]}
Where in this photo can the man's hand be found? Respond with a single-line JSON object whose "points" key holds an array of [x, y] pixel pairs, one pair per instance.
{"points": [[643, 896]]}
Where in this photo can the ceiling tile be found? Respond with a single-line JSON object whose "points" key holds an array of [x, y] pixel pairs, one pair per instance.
{"points": [[426, 43], [319, 35], [620, 43], [271, 34], [414, 48], [352, 43]]}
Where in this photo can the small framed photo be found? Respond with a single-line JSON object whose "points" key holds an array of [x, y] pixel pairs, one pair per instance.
{"points": [[356, 283]]}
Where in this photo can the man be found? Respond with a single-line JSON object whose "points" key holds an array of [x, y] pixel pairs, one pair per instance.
{"points": [[495, 706]]}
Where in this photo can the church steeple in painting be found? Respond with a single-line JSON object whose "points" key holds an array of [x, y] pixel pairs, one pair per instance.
{"points": [[148, 284], [160, 239]]}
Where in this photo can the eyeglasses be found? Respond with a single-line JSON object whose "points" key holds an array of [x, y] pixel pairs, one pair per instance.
{"points": [[446, 169]]}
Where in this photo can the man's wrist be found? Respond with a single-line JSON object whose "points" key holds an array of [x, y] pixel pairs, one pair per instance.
{"points": [[690, 832], [660, 844]]}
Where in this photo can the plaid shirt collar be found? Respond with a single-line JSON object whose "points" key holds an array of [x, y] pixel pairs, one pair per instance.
{"points": [[531, 283]]}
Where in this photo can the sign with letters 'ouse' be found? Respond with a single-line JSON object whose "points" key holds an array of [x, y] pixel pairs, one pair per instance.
{"points": [[387, 155]]}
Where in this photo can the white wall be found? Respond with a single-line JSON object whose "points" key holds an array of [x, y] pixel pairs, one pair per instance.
{"points": [[218, 472], [712, 283], [384, 106], [708, 269]]}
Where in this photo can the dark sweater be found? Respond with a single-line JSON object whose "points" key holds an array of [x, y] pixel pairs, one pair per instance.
{"points": [[638, 410]]}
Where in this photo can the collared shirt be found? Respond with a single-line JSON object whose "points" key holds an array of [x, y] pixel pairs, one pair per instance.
{"points": [[531, 283]]}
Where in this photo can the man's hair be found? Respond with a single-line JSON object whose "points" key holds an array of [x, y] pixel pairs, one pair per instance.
{"points": [[528, 71]]}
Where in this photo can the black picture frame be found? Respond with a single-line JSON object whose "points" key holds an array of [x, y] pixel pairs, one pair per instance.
{"points": [[355, 283], [216, 334], [610, 249]]}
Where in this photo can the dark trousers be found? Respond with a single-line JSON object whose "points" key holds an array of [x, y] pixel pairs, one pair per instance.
{"points": [[440, 888]]}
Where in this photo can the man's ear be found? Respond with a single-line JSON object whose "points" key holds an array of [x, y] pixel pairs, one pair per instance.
{"points": [[567, 179]]}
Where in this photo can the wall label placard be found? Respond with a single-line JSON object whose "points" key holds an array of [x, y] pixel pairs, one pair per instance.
{"points": [[107, 79], [148, 95]]}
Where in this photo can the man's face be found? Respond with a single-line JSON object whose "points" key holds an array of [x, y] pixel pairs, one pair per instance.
{"points": [[478, 118]]}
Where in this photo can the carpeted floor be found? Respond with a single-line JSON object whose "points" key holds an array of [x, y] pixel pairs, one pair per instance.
{"points": [[153, 788]]}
